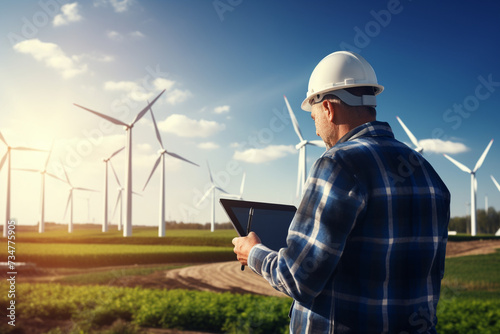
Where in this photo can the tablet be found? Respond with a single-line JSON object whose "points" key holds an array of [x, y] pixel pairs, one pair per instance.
{"points": [[270, 221]]}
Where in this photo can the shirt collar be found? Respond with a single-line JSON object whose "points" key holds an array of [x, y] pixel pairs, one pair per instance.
{"points": [[370, 129]]}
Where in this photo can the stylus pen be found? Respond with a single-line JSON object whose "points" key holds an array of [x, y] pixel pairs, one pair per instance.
{"points": [[249, 226]]}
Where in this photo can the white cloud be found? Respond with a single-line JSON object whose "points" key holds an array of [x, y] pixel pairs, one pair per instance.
{"points": [[222, 109], [269, 153], [185, 127], [178, 96], [114, 35], [69, 14], [53, 56], [136, 34], [162, 83], [208, 146], [234, 145], [119, 6], [441, 146], [135, 91]]}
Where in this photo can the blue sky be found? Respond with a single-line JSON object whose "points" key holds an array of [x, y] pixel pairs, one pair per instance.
{"points": [[225, 66]]}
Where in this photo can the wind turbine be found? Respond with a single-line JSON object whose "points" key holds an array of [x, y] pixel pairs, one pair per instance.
{"points": [[301, 147], [413, 139], [240, 196], [69, 203], [43, 172], [119, 198], [473, 183], [7, 156], [161, 157], [498, 187], [106, 160], [127, 231], [211, 190]]}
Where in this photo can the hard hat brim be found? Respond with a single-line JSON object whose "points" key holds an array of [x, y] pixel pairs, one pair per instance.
{"points": [[307, 107]]}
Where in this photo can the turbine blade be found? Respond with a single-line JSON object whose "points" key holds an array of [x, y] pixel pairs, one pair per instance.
{"points": [[294, 120], [483, 156], [145, 110], [210, 174], [23, 148], [156, 129], [3, 139], [221, 190], [66, 174], [242, 184], [48, 156], [116, 204], [55, 177], [408, 132], [27, 170], [495, 182], [458, 164], [133, 192], [3, 159], [86, 189], [151, 174], [67, 204], [318, 143], [181, 158], [205, 196], [115, 153], [116, 175], [106, 117]]}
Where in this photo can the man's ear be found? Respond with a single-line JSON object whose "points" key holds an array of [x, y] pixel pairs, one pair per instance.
{"points": [[328, 109]]}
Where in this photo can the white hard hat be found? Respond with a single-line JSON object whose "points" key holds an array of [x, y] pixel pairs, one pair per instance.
{"points": [[340, 70]]}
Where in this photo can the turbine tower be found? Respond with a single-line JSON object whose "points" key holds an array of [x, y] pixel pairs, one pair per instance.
{"points": [[127, 231], [119, 198], [473, 184], [69, 203], [161, 157], [106, 160], [7, 156], [211, 190], [43, 172], [240, 196], [301, 147], [413, 139]]}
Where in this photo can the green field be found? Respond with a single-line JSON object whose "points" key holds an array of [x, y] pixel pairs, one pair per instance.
{"points": [[470, 298]]}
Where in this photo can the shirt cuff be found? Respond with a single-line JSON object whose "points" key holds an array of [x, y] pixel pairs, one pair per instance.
{"points": [[256, 257]]}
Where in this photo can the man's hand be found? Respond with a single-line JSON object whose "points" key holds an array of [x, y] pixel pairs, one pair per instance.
{"points": [[243, 245]]}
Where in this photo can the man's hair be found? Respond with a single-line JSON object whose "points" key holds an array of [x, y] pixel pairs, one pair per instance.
{"points": [[358, 91]]}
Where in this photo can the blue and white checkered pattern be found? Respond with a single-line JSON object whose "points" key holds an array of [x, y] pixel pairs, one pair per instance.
{"points": [[366, 248]]}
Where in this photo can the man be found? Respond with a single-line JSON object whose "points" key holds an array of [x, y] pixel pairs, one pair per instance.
{"points": [[365, 250]]}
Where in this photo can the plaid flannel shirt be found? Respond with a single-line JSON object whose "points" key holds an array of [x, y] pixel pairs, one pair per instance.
{"points": [[366, 248]]}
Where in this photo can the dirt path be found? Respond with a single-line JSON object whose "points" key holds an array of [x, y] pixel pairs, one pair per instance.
{"points": [[227, 276]]}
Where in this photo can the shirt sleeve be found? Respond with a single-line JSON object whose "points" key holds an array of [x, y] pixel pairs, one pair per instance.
{"points": [[316, 238]]}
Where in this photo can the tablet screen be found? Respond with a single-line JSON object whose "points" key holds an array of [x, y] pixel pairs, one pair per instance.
{"points": [[270, 221]]}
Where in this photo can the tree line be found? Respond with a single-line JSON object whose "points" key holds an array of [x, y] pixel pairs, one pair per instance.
{"points": [[486, 222]]}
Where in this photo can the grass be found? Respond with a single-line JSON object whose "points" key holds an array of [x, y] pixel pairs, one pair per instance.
{"points": [[475, 276], [141, 236], [77, 255]]}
